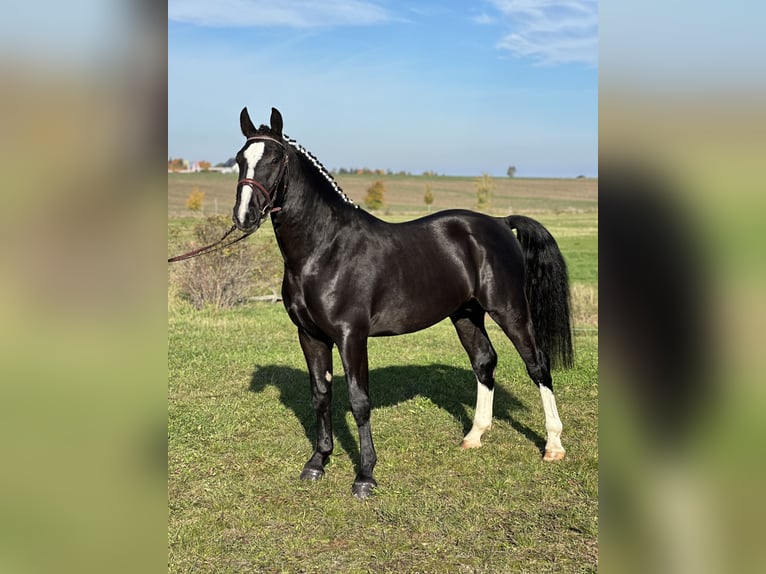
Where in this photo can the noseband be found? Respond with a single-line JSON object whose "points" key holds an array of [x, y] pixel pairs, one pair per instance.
{"points": [[270, 195]]}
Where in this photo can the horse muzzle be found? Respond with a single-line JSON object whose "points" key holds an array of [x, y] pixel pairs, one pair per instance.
{"points": [[249, 216], [252, 222]]}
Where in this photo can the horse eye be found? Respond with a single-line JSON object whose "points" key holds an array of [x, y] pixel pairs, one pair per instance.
{"points": [[275, 161]]}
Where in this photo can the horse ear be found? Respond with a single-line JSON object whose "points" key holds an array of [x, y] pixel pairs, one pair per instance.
{"points": [[276, 122], [247, 127]]}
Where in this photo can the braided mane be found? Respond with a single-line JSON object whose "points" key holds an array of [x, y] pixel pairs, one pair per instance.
{"points": [[266, 130]]}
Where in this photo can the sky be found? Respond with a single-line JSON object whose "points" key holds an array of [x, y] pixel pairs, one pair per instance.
{"points": [[454, 87], [459, 88]]}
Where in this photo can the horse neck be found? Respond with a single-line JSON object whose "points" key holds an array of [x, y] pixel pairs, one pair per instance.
{"points": [[313, 210]]}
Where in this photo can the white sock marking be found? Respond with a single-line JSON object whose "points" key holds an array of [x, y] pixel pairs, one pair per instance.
{"points": [[553, 424], [482, 419], [483, 416]]}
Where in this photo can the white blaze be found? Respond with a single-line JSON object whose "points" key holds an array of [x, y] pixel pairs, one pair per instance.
{"points": [[253, 154]]}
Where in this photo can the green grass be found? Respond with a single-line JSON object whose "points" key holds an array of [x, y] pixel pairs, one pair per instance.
{"points": [[240, 427]]}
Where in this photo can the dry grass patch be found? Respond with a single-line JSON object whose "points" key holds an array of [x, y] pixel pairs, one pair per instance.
{"points": [[585, 304]]}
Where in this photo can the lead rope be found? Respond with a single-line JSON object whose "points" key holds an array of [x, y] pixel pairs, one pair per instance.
{"points": [[210, 248], [268, 208]]}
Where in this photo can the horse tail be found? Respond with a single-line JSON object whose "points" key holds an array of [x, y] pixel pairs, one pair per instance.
{"points": [[546, 284]]}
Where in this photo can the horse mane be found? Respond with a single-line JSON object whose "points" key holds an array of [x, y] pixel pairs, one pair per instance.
{"points": [[266, 130]]}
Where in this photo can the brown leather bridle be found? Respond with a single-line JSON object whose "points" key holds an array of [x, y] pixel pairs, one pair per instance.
{"points": [[268, 207], [270, 195]]}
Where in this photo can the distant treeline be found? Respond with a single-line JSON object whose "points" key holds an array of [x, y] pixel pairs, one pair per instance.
{"points": [[351, 170], [368, 171]]}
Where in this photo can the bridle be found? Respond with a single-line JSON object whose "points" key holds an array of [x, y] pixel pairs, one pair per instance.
{"points": [[268, 207], [255, 184]]}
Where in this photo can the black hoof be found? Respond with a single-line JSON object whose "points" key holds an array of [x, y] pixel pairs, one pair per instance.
{"points": [[311, 474], [362, 490]]}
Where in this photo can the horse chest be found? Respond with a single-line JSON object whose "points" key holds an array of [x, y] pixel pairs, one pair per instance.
{"points": [[308, 299]]}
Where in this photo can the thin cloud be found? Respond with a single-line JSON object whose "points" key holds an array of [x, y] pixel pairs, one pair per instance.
{"points": [[550, 32], [284, 13], [483, 19]]}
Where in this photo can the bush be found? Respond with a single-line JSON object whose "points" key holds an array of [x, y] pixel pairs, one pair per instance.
{"points": [[195, 199], [428, 198], [222, 278], [483, 192], [375, 196]]}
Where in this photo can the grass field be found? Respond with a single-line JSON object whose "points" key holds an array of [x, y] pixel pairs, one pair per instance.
{"points": [[240, 427]]}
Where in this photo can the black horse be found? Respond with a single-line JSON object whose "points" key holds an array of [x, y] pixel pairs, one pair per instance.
{"points": [[349, 276]]}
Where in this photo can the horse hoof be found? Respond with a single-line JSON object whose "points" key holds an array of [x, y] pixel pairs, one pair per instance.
{"points": [[551, 455], [470, 444], [311, 474], [362, 490]]}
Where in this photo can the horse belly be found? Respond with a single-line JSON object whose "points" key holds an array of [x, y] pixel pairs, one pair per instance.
{"points": [[409, 308]]}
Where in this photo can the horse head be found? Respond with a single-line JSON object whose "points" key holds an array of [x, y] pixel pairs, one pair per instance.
{"points": [[262, 165]]}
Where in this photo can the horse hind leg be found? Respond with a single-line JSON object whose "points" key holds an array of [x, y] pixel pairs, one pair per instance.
{"points": [[469, 324], [518, 327], [553, 447]]}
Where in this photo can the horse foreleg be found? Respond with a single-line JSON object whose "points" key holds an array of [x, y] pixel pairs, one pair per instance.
{"points": [[318, 355], [353, 352]]}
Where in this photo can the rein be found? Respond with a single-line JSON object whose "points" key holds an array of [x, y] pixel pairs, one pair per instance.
{"points": [[212, 247], [268, 207]]}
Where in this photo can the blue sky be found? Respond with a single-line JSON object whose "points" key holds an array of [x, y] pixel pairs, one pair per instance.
{"points": [[460, 88]]}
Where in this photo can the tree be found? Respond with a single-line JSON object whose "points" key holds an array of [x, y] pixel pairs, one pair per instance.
{"points": [[204, 165], [428, 198], [195, 199], [177, 164], [375, 196], [511, 171], [483, 192]]}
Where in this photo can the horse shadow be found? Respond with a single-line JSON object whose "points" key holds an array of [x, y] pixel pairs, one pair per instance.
{"points": [[448, 387]]}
